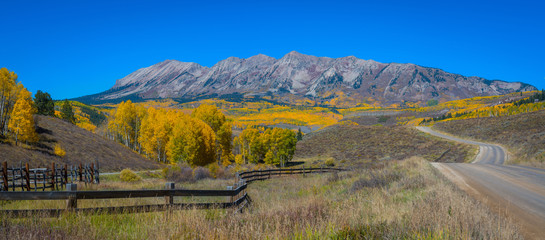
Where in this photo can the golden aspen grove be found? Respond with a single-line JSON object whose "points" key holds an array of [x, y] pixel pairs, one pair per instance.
{"points": [[201, 138]]}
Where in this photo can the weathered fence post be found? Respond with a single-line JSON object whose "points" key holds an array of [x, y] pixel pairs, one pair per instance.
{"points": [[5, 175], [80, 172], [92, 173], [65, 173], [13, 179], [169, 200], [35, 180], [44, 181], [21, 176], [27, 176], [53, 172], [242, 183], [231, 197], [97, 175], [72, 202]]}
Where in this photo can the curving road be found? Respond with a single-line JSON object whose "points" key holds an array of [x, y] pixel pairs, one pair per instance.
{"points": [[515, 191]]}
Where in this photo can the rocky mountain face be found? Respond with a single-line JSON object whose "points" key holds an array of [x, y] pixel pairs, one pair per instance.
{"points": [[299, 76]]}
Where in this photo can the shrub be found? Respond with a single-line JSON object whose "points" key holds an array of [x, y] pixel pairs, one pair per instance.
{"points": [[181, 173], [129, 176], [432, 102], [330, 162], [201, 173], [213, 168], [59, 151], [383, 119]]}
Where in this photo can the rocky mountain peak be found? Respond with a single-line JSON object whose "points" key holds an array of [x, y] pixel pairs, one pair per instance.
{"points": [[296, 76]]}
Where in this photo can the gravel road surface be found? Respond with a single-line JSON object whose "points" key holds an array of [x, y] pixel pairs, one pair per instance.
{"points": [[515, 191]]}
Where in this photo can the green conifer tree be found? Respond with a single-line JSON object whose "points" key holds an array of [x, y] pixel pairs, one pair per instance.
{"points": [[67, 113]]}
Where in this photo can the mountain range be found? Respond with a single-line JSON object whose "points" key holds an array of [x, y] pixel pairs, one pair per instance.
{"points": [[298, 76]]}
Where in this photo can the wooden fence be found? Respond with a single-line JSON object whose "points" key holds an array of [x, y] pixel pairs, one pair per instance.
{"points": [[24, 178], [237, 195], [258, 175]]}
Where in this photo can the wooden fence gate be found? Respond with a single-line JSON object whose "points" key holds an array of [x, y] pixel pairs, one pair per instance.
{"points": [[24, 178]]}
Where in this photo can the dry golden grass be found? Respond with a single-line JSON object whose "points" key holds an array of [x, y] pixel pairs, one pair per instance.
{"points": [[401, 200]]}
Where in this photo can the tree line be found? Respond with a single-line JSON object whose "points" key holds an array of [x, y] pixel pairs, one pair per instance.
{"points": [[538, 96], [198, 139]]}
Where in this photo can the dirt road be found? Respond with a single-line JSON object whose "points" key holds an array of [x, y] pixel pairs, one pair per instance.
{"points": [[515, 191]]}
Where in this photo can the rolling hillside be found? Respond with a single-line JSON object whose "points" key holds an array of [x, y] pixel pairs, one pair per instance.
{"points": [[356, 145], [81, 146], [522, 134]]}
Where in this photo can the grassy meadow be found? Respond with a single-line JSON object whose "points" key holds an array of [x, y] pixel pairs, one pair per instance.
{"points": [[396, 200]]}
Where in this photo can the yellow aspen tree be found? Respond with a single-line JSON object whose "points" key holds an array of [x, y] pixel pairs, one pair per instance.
{"points": [[125, 124], [140, 114], [9, 90], [21, 124], [192, 141], [147, 134], [124, 114], [155, 132], [212, 116], [224, 137]]}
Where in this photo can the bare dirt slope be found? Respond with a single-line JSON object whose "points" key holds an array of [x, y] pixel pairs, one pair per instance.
{"points": [[516, 191], [81, 146]]}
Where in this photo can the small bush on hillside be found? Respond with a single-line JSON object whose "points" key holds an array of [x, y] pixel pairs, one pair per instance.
{"points": [[58, 150], [330, 162], [383, 119], [128, 175]]}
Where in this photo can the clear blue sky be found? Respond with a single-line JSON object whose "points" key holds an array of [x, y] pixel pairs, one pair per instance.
{"points": [[74, 48]]}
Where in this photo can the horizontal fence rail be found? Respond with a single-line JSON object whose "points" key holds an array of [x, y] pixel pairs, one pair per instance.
{"points": [[259, 175], [24, 178], [60, 195], [126, 209], [237, 195]]}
